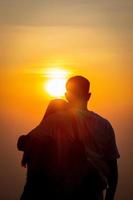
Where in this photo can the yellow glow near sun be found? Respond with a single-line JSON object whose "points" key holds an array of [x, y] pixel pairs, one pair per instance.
{"points": [[55, 86]]}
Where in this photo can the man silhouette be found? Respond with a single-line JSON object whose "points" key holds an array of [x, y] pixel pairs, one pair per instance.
{"points": [[95, 133], [100, 140]]}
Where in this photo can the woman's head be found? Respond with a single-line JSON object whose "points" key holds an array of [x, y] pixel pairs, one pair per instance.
{"points": [[56, 105]]}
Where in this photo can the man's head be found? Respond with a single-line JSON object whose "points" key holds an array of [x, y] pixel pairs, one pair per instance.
{"points": [[77, 88]]}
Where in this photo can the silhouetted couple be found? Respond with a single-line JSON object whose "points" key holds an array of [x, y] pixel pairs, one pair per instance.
{"points": [[72, 153]]}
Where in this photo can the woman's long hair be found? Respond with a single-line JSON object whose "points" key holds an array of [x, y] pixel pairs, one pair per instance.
{"points": [[54, 106]]}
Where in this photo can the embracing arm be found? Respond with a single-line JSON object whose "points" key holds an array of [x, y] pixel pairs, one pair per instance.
{"points": [[24, 139], [112, 180], [21, 142]]}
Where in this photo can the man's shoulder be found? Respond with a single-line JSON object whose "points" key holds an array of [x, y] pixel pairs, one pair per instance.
{"points": [[63, 117], [100, 118], [96, 117]]}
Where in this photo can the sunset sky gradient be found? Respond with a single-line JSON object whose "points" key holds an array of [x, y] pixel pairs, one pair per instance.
{"points": [[90, 38]]}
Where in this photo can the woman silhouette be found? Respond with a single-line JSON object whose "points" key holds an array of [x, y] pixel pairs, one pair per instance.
{"points": [[32, 156]]}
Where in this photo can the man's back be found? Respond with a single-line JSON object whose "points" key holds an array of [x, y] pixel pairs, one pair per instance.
{"points": [[94, 131]]}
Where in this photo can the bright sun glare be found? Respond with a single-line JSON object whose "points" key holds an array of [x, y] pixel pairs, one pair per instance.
{"points": [[55, 86]]}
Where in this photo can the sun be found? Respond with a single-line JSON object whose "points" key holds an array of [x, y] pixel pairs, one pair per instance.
{"points": [[55, 85]]}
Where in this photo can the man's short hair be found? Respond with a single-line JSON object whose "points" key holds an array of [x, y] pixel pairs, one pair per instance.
{"points": [[78, 85]]}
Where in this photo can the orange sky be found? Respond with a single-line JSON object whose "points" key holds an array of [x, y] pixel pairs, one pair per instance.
{"points": [[98, 54], [90, 39]]}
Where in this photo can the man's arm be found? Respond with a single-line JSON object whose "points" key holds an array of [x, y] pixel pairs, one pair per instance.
{"points": [[112, 180]]}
